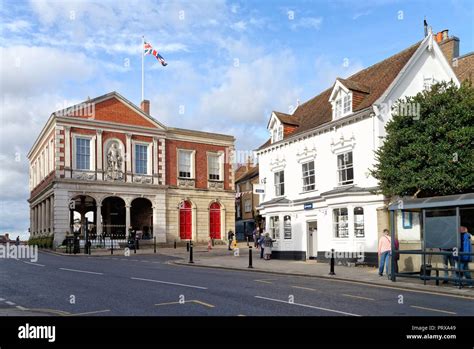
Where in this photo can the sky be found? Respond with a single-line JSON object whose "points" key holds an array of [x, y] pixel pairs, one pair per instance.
{"points": [[230, 63]]}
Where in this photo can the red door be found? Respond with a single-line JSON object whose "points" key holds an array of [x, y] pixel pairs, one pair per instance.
{"points": [[185, 221], [215, 221]]}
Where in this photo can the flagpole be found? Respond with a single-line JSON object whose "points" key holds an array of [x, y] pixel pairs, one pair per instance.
{"points": [[143, 68]]}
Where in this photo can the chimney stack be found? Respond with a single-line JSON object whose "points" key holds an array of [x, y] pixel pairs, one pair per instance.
{"points": [[449, 45], [145, 106]]}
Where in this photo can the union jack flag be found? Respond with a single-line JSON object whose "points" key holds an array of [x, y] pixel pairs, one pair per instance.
{"points": [[148, 50]]}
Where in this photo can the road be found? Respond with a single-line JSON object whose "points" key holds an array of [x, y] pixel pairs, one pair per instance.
{"points": [[151, 286]]}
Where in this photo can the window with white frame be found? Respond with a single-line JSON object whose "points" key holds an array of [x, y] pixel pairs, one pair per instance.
{"points": [[345, 168], [214, 167], [280, 133], [83, 153], [247, 206], [275, 227], [347, 106], [141, 158], [185, 164], [338, 108], [308, 176], [279, 183], [341, 222], [359, 222]]}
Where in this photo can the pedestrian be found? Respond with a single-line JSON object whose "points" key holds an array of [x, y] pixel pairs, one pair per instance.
{"points": [[256, 238], [268, 243], [230, 237], [448, 263], [463, 260], [385, 246], [17, 241], [262, 245]]}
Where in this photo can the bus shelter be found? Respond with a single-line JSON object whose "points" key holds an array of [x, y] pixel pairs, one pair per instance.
{"points": [[428, 232]]}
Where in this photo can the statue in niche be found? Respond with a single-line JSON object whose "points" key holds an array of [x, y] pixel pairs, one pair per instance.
{"points": [[114, 163]]}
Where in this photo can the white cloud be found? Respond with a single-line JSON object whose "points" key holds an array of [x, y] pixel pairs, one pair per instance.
{"points": [[239, 26], [17, 26], [307, 23], [25, 70]]}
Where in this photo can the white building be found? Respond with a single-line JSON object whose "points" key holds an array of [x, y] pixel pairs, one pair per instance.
{"points": [[319, 194]]}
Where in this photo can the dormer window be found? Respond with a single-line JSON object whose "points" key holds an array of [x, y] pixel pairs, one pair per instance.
{"points": [[341, 100], [277, 133]]}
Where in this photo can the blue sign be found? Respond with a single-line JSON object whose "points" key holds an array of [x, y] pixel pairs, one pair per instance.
{"points": [[308, 206]]}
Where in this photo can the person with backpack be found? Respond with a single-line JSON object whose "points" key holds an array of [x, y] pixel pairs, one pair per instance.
{"points": [[462, 261], [385, 247]]}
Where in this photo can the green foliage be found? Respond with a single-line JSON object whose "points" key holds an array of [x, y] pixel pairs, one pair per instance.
{"points": [[430, 154], [41, 241]]}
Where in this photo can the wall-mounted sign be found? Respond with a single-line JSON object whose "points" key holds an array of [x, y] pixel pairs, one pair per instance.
{"points": [[258, 189], [308, 206]]}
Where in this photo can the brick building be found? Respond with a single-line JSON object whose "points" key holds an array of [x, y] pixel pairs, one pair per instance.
{"points": [[246, 202], [108, 164]]}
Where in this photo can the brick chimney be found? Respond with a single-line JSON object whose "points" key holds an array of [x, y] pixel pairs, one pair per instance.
{"points": [[145, 106], [449, 45]]}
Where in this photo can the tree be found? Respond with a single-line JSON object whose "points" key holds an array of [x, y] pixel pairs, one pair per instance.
{"points": [[430, 153]]}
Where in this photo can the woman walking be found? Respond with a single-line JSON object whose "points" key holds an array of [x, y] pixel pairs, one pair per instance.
{"points": [[268, 244]]}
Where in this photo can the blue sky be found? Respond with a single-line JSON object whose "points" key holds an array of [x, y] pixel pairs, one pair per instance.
{"points": [[230, 62]]}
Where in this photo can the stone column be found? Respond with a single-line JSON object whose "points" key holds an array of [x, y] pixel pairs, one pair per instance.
{"points": [[100, 157], [67, 151], [40, 217], [46, 215], [129, 152], [127, 217], [98, 217], [51, 214], [36, 219], [156, 178], [162, 161]]}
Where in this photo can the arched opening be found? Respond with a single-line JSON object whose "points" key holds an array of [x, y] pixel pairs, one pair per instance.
{"points": [[113, 217], [215, 221], [185, 221], [83, 215], [141, 216]]}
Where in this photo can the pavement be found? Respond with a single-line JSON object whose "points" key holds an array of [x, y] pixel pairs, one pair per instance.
{"points": [[160, 284], [221, 258]]}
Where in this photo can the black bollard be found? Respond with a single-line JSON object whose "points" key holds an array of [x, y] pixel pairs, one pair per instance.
{"points": [[135, 245], [154, 243], [175, 244], [250, 257], [187, 246], [331, 272], [111, 245], [191, 252]]}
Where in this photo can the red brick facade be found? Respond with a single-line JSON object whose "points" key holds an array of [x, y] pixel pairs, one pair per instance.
{"points": [[201, 170]]}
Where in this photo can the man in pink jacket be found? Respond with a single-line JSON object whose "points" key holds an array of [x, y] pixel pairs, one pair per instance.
{"points": [[385, 246]]}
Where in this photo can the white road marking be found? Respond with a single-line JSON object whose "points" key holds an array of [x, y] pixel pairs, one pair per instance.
{"points": [[359, 297], [89, 312], [20, 307], [82, 271], [10, 303], [170, 283], [431, 309], [37, 264], [2, 299], [307, 306]]}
